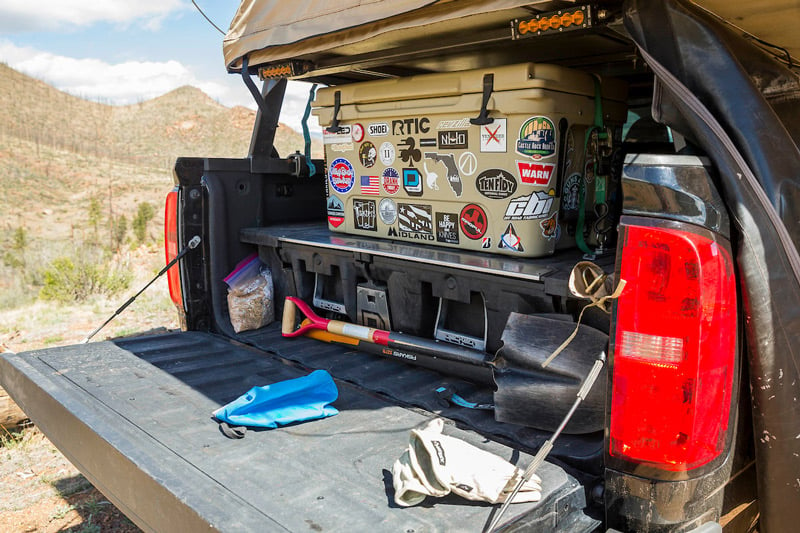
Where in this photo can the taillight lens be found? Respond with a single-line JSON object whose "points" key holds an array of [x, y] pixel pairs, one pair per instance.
{"points": [[674, 349], [171, 245]]}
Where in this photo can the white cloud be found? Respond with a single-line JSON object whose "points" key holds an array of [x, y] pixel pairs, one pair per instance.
{"points": [[130, 82], [16, 15]]}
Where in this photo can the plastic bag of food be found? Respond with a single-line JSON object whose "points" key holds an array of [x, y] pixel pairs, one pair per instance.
{"points": [[250, 295]]}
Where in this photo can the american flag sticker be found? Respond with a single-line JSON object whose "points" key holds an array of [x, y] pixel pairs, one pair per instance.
{"points": [[370, 184]]}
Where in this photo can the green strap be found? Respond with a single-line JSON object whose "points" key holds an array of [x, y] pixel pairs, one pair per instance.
{"points": [[312, 169]]}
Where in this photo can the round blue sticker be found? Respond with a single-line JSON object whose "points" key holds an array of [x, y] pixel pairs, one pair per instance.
{"points": [[341, 175]]}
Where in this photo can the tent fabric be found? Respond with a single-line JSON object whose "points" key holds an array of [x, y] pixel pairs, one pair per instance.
{"points": [[271, 30]]}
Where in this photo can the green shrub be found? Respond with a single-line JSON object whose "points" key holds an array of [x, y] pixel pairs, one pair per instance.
{"points": [[74, 279], [144, 213]]}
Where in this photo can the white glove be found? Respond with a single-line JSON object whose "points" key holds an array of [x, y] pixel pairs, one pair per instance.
{"points": [[436, 464]]}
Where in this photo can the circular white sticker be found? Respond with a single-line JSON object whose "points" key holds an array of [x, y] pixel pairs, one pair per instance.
{"points": [[467, 163], [388, 211], [387, 154], [357, 131]]}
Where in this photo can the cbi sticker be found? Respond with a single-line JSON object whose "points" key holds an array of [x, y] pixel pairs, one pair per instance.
{"points": [[415, 218], [570, 197], [387, 210], [378, 129], [365, 215], [550, 227], [387, 154], [357, 131], [537, 138], [446, 228], [530, 206], [335, 206], [453, 139], [509, 240], [341, 175], [535, 173], [473, 221], [493, 136], [412, 182], [496, 183], [390, 180], [367, 154]]}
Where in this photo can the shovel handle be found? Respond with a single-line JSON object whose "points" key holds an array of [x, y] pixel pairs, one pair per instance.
{"points": [[313, 321]]}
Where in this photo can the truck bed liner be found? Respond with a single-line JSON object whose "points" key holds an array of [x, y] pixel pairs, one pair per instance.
{"points": [[134, 416]]}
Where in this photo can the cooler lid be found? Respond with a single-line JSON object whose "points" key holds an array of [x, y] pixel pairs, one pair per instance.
{"points": [[505, 78]]}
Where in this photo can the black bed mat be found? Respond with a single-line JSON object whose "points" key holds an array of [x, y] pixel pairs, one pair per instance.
{"points": [[134, 416]]}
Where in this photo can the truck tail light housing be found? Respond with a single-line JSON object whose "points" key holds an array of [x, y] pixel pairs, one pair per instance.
{"points": [[171, 245], [674, 348]]}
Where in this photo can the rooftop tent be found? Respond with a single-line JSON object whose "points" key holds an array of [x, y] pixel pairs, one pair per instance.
{"points": [[271, 30]]}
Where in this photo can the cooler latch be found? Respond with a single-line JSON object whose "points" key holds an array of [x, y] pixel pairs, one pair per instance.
{"points": [[337, 103], [483, 117]]}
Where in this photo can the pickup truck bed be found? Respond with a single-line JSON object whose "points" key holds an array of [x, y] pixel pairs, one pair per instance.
{"points": [[140, 428]]}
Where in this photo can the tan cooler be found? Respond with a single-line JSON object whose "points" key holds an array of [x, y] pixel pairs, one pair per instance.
{"points": [[406, 162]]}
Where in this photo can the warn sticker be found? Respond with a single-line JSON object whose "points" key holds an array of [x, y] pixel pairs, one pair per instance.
{"points": [[535, 173]]}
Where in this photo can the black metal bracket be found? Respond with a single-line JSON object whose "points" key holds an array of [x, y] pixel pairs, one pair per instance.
{"points": [[337, 102], [483, 117]]}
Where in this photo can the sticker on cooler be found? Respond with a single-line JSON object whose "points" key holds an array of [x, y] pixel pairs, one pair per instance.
{"points": [[537, 138], [341, 175], [453, 176], [371, 185], [367, 154], [387, 210], [343, 135], [529, 207], [415, 218], [387, 154], [493, 136], [391, 181], [378, 129], [357, 131], [496, 183], [473, 221], [535, 173], [446, 228], [365, 215], [510, 240]]}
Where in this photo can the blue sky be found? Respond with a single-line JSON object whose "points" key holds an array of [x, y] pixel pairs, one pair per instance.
{"points": [[126, 51]]}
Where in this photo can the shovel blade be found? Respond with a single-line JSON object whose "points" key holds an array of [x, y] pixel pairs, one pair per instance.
{"points": [[529, 395]]}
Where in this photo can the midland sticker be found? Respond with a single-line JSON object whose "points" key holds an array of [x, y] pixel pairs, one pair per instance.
{"points": [[537, 138], [341, 175]]}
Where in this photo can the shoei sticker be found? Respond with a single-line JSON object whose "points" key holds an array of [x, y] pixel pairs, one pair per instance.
{"points": [[365, 214], [473, 221], [446, 228], [493, 136], [387, 210], [535, 173], [391, 181], [509, 240], [341, 175], [537, 138], [496, 183], [367, 154], [378, 129]]}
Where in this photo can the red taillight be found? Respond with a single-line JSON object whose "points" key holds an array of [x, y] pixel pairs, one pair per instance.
{"points": [[171, 244], [674, 349]]}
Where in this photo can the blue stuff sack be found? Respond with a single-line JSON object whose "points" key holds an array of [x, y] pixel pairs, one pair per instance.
{"points": [[294, 400]]}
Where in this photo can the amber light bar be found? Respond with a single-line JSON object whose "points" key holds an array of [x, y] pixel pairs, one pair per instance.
{"points": [[575, 18], [289, 69]]}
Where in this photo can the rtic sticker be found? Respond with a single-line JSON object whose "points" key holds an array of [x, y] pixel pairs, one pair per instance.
{"points": [[409, 153], [509, 240], [550, 227], [335, 221], [357, 131], [365, 215], [570, 198], [370, 185], [341, 175], [387, 210], [453, 124], [378, 129], [496, 183], [493, 136], [415, 218], [453, 139], [387, 154], [335, 206], [411, 126], [367, 154], [473, 221], [449, 162], [341, 136], [467, 163], [531, 206], [537, 138], [412, 182], [535, 173], [446, 229], [391, 181]]}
